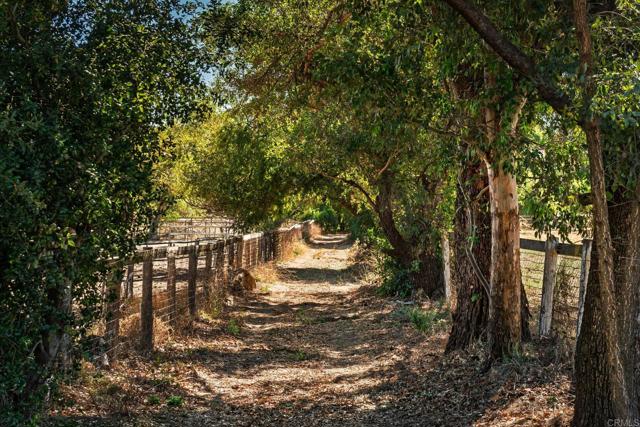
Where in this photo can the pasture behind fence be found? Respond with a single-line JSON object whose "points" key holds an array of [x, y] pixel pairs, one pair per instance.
{"points": [[190, 229]]}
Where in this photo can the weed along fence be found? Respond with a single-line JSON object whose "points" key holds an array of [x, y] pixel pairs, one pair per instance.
{"points": [[165, 287]]}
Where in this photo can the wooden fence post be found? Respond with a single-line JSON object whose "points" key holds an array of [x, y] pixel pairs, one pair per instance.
{"points": [[129, 283], [208, 253], [171, 287], [548, 283], [231, 256], [191, 281], [585, 264], [146, 304], [446, 259], [113, 313], [219, 263], [254, 251], [276, 245], [240, 255]]}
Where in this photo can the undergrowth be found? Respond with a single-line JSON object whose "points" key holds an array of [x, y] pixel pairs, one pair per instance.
{"points": [[427, 321], [396, 281]]}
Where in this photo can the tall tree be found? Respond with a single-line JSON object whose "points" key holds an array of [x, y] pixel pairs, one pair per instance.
{"points": [[376, 128]]}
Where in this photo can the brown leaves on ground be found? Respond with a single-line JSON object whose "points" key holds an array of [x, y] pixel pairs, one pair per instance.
{"points": [[318, 349]]}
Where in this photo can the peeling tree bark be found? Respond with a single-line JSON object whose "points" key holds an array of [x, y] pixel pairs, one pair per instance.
{"points": [[505, 328]]}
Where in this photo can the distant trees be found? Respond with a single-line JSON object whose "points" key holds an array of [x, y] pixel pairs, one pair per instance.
{"points": [[85, 88]]}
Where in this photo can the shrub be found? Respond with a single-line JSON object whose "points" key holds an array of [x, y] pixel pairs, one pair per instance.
{"points": [[427, 321], [396, 281], [233, 327], [76, 169], [175, 401]]}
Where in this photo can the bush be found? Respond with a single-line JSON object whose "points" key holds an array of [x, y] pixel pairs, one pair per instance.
{"points": [[396, 281], [76, 169], [326, 216]]}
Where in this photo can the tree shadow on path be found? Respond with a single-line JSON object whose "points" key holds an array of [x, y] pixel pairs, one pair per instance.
{"points": [[324, 350]]}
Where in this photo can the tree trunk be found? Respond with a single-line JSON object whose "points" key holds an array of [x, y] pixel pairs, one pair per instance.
{"points": [[608, 348], [606, 352], [472, 261], [472, 257], [401, 249], [430, 273], [505, 316]]}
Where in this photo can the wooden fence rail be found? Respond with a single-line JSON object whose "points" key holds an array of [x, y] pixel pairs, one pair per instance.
{"points": [[162, 273]]}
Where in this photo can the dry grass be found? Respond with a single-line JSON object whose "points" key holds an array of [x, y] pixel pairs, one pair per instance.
{"points": [[266, 274], [315, 230], [130, 332], [297, 249]]}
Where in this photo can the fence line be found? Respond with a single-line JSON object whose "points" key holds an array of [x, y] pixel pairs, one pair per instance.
{"points": [[165, 287], [555, 277]]}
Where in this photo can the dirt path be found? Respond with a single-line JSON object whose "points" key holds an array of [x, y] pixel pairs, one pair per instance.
{"points": [[314, 350], [317, 348]]}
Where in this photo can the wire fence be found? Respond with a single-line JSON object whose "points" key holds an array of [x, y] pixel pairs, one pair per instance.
{"points": [[189, 229], [555, 276], [163, 288]]}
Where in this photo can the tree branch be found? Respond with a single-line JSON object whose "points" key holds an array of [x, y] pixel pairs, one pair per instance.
{"points": [[510, 53], [353, 184]]}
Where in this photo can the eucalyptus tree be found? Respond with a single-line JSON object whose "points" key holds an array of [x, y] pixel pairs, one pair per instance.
{"points": [[588, 74], [490, 114], [85, 88]]}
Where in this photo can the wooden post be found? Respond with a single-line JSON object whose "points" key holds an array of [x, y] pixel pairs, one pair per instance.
{"points": [[240, 258], [225, 257], [272, 246], [276, 245], [548, 283], [446, 260], [208, 253], [171, 287], [246, 250], [146, 304], [231, 253], [113, 313], [191, 282], [219, 263], [585, 264], [129, 283], [257, 252]]}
